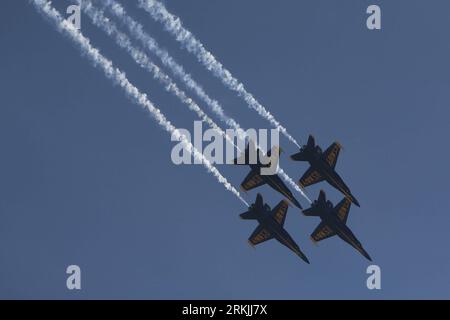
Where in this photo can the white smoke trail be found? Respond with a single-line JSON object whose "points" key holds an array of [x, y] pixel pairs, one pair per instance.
{"points": [[297, 188], [173, 25], [119, 78], [143, 60], [137, 31]]}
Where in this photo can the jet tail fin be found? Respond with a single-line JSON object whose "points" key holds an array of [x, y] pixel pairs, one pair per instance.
{"points": [[259, 203], [311, 141], [322, 198], [317, 206], [251, 214], [301, 156]]}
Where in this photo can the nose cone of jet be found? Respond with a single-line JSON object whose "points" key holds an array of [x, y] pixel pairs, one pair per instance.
{"points": [[355, 201], [365, 254], [303, 257]]}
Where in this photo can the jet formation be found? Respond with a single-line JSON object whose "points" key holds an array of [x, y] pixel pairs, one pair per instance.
{"points": [[322, 168]]}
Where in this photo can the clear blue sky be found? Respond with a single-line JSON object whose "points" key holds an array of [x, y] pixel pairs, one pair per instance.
{"points": [[86, 176]]}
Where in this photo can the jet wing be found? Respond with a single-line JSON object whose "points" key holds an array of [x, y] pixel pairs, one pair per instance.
{"points": [[260, 235], [331, 154], [342, 209], [310, 177], [322, 232], [280, 211], [252, 180]]}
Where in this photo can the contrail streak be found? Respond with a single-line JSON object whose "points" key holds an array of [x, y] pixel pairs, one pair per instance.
{"points": [[293, 184], [173, 25], [119, 78], [137, 31], [143, 60]]}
